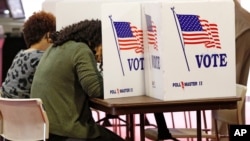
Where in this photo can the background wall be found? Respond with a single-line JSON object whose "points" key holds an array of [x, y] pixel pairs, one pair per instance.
{"points": [[245, 4], [31, 6]]}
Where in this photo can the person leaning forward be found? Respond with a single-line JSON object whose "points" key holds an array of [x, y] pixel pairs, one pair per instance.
{"points": [[66, 77]]}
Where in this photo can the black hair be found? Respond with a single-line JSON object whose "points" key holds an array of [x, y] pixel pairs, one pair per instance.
{"points": [[87, 31]]}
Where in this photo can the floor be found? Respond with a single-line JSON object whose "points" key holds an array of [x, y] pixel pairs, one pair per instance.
{"points": [[178, 118]]}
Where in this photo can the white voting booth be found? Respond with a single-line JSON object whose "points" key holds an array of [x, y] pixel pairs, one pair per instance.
{"points": [[71, 11], [153, 48], [123, 53], [189, 52], [50, 5]]}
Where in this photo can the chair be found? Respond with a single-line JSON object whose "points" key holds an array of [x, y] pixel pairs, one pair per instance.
{"points": [[234, 116], [175, 133], [97, 113], [1, 126], [105, 121], [23, 120]]}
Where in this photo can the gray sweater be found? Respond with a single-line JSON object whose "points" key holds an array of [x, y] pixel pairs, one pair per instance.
{"points": [[19, 77]]}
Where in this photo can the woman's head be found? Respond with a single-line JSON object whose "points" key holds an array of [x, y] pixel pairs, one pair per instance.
{"points": [[37, 26], [87, 31]]}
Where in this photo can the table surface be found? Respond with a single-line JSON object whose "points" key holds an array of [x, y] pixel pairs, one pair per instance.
{"points": [[146, 104]]}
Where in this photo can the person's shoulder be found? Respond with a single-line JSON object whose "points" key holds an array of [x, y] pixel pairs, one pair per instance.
{"points": [[242, 21], [79, 46], [75, 44], [35, 53]]}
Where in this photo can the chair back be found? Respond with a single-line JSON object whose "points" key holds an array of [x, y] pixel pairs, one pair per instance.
{"points": [[233, 116], [23, 119], [1, 123], [241, 91]]}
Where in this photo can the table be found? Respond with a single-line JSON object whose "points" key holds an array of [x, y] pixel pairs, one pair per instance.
{"points": [[145, 104]]}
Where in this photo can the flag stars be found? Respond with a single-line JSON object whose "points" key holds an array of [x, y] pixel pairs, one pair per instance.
{"points": [[189, 23], [123, 29], [128, 36]]}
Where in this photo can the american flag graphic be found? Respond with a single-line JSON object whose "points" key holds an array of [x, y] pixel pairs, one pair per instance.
{"points": [[152, 32], [129, 37], [198, 31]]}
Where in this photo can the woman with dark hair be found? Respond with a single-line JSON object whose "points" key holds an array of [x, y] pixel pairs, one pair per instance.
{"points": [[66, 77], [36, 32]]}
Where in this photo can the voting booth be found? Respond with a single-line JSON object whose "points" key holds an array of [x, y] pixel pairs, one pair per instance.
{"points": [[166, 49], [50, 6], [123, 52], [189, 49], [117, 73], [71, 11]]}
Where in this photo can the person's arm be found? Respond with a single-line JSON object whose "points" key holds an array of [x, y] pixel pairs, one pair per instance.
{"points": [[86, 70], [242, 57]]}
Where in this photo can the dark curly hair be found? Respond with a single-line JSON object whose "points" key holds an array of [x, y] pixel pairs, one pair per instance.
{"points": [[37, 26], [87, 31]]}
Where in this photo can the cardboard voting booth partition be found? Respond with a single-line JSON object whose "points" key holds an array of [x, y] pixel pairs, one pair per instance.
{"points": [[169, 49], [71, 11], [123, 67], [50, 6], [123, 53], [189, 49]]}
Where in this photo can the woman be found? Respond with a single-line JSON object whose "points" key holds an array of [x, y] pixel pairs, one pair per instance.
{"points": [[66, 77], [19, 77]]}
